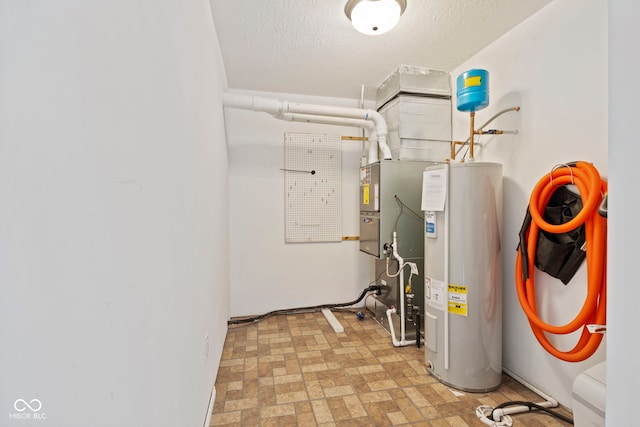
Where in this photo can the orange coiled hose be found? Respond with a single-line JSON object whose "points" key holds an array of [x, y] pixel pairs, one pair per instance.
{"points": [[592, 188]]}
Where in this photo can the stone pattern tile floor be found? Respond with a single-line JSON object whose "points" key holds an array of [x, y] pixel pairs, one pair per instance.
{"points": [[294, 370]]}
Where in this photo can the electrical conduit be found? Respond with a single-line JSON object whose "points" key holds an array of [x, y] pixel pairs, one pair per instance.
{"points": [[591, 188]]}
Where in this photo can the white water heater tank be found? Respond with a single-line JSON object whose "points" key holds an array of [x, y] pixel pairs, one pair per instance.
{"points": [[463, 275]]}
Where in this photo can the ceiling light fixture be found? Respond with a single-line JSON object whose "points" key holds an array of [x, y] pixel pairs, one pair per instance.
{"points": [[374, 16]]}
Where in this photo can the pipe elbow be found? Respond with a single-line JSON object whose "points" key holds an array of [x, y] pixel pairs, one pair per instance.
{"points": [[381, 124], [382, 131]]}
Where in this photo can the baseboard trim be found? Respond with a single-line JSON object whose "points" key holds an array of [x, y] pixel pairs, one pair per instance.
{"points": [[207, 420]]}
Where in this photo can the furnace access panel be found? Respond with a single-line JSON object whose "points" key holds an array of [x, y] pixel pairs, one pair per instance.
{"points": [[384, 187]]}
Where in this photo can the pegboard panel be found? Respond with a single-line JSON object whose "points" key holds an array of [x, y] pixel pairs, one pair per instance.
{"points": [[312, 188]]}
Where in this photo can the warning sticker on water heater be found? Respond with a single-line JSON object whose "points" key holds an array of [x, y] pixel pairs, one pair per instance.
{"points": [[434, 293], [457, 299]]}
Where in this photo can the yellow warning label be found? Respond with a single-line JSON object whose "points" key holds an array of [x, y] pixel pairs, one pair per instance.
{"points": [[457, 299], [365, 194], [472, 81]]}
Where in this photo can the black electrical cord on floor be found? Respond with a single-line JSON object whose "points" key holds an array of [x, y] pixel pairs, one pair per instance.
{"points": [[302, 309], [531, 407]]}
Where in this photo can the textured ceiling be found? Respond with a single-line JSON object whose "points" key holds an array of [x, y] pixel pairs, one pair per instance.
{"points": [[309, 46]]}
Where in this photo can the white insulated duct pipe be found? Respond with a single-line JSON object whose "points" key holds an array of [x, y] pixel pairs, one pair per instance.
{"points": [[254, 103], [329, 114], [372, 156]]}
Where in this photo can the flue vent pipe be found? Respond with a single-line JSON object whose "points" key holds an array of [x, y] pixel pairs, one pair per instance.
{"points": [[327, 120], [324, 114]]}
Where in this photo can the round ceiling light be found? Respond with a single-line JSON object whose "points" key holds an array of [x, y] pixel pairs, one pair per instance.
{"points": [[374, 17]]}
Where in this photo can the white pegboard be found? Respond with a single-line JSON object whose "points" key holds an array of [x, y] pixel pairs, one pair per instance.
{"points": [[312, 188]]}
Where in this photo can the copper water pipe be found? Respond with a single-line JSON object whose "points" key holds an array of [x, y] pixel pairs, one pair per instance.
{"points": [[480, 131], [472, 133], [453, 148]]}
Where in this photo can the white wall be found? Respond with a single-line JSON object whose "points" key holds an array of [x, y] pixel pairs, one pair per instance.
{"points": [[554, 66], [266, 273], [113, 220], [623, 347]]}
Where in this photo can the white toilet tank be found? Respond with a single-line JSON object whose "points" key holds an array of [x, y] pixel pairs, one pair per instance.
{"points": [[589, 391]]}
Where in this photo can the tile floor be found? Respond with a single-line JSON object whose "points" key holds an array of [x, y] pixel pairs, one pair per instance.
{"points": [[295, 371]]}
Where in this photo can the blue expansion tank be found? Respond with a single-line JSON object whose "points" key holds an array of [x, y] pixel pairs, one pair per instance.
{"points": [[473, 90]]}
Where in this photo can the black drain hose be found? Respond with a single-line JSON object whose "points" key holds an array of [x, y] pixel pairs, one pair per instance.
{"points": [[252, 319]]}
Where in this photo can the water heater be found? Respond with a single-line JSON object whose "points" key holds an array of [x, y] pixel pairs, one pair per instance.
{"points": [[463, 274]]}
